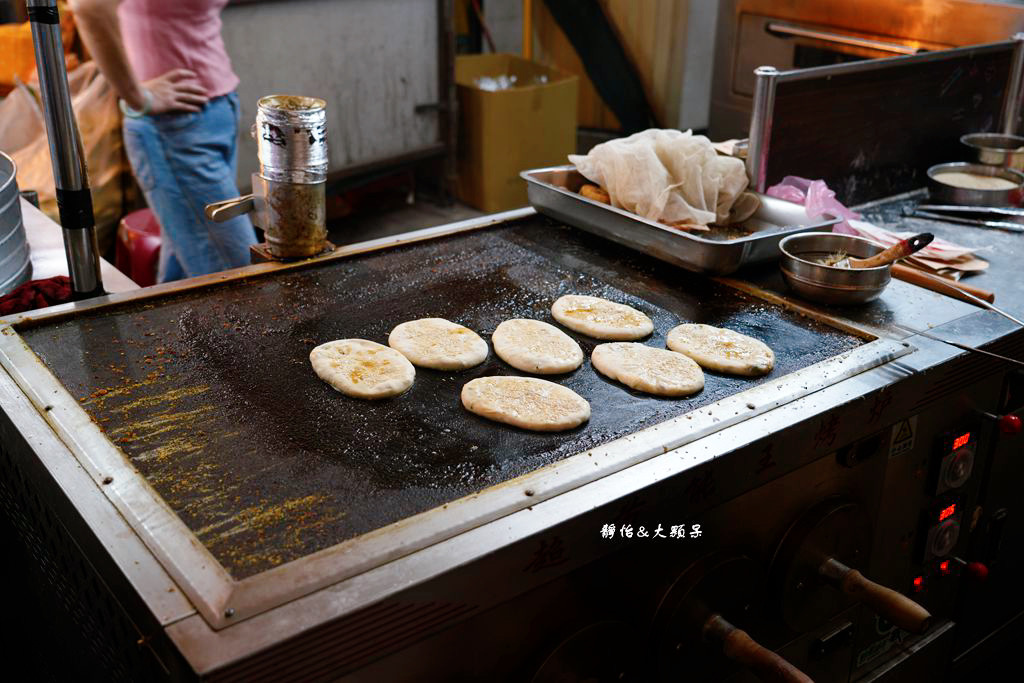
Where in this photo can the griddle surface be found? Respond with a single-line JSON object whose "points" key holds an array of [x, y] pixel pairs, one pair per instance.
{"points": [[211, 396]]}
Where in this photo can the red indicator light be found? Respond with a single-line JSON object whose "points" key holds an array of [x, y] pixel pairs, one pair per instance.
{"points": [[961, 440], [918, 583], [944, 566], [947, 512]]}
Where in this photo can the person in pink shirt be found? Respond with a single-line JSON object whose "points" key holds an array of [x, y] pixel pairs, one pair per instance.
{"points": [[167, 62]]}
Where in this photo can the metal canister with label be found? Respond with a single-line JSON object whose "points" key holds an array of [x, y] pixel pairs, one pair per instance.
{"points": [[288, 197]]}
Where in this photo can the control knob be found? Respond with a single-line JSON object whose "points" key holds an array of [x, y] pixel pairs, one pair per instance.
{"points": [[1009, 424]]}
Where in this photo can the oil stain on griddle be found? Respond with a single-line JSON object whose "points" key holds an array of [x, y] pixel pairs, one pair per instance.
{"points": [[211, 396]]}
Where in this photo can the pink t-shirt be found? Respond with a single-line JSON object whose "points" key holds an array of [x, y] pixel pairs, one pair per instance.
{"points": [[161, 35]]}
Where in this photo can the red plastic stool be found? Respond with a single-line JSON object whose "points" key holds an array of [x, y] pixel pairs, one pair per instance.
{"points": [[138, 247]]}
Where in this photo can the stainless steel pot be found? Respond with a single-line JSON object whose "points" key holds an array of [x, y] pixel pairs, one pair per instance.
{"points": [[15, 261], [942, 193], [997, 149], [810, 279]]}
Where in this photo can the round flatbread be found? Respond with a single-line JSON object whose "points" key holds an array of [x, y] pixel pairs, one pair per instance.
{"points": [[438, 343], [535, 346], [721, 350], [362, 369], [647, 369], [600, 318], [526, 402]]}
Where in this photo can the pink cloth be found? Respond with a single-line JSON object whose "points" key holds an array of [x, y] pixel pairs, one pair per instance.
{"points": [[161, 35]]}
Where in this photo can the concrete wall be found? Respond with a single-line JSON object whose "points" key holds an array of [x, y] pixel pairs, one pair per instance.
{"points": [[372, 60], [695, 101]]}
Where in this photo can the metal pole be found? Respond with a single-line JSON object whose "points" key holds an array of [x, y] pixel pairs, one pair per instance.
{"points": [[1014, 88], [69, 174], [761, 125]]}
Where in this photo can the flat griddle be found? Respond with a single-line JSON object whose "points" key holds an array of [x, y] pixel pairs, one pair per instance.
{"points": [[211, 397]]}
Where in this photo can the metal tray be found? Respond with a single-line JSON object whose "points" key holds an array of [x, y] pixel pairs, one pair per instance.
{"points": [[553, 191]]}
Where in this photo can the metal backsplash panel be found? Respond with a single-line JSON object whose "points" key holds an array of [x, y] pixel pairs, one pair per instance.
{"points": [[872, 129]]}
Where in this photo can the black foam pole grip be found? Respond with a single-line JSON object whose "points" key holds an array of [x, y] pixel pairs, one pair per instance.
{"points": [[75, 208]]}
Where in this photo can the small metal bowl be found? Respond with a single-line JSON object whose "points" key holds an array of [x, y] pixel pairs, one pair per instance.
{"points": [[941, 193], [810, 279], [997, 149]]}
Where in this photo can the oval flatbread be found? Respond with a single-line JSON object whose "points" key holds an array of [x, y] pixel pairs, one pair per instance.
{"points": [[647, 369], [535, 346], [526, 402], [362, 369], [721, 350], [438, 343], [600, 318]]}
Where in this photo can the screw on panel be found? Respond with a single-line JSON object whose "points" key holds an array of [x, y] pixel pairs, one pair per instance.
{"points": [[528, 492], [108, 480], [229, 612]]}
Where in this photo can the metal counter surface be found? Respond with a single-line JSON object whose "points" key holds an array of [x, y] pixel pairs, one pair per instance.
{"points": [[211, 397], [920, 308]]}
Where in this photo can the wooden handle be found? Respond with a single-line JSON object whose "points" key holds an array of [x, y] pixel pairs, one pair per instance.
{"points": [[895, 607], [742, 649], [901, 249], [939, 284]]}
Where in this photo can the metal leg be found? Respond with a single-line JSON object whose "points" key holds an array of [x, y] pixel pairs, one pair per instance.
{"points": [[72, 184]]}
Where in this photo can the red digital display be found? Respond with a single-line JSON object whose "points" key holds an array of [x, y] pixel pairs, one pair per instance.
{"points": [[944, 566], [947, 512], [961, 440], [918, 583]]}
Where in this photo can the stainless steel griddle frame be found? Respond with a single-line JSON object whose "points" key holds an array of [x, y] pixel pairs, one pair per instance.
{"points": [[219, 620]]}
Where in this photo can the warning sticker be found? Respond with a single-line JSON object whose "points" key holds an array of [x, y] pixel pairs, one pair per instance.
{"points": [[903, 433]]}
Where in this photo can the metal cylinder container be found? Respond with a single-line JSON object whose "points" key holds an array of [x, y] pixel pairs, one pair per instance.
{"points": [[15, 261], [293, 216], [291, 138]]}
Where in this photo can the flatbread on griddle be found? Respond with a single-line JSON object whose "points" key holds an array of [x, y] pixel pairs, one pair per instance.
{"points": [[526, 402], [600, 318], [536, 346], [362, 369], [438, 344], [647, 369], [721, 350]]}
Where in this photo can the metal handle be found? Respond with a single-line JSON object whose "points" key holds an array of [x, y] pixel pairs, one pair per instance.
{"points": [[960, 220], [218, 212], [840, 39], [958, 208]]}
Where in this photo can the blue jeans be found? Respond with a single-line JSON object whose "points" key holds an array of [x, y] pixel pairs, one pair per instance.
{"points": [[183, 162]]}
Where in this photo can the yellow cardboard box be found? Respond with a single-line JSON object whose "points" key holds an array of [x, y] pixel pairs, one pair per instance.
{"points": [[503, 132]]}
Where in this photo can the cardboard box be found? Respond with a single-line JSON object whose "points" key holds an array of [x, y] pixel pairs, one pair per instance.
{"points": [[503, 132]]}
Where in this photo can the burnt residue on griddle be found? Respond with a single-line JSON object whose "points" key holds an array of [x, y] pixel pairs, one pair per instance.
{"points": [[211, 396]]}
